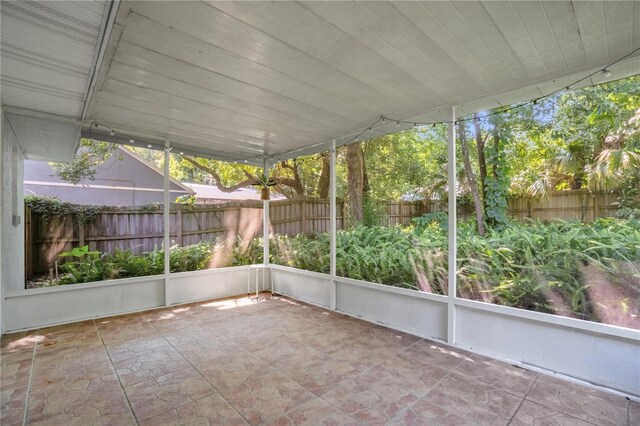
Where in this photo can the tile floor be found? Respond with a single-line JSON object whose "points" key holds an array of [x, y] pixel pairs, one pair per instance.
{"points": [[276, 362]]}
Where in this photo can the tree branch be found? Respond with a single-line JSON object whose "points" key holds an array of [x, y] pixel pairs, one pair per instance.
{"points": [[228, 189]]}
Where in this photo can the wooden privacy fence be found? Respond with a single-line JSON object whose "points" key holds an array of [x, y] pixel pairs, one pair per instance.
{"points": [[401, 212], [579, 204], [142, 230]]}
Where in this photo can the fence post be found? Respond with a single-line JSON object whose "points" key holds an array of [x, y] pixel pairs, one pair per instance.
{"points": [[400, 212], [81, 236], [596, 205], [28, 243], [303, 217], [179, 226]]}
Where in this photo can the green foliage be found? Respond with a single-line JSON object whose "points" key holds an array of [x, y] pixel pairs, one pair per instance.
{"points": [[587, 138], [628, 213], [528, 265], [427, 222], [497, 181], [496, 189], [91, 155], [392, 256], [405, 162], [80, 252], [376, 254], [264, 182], [189, 258], [49, 207], [372, 212], [125, 264], [630, 192], [89, 266], [309, 252], [187, 200], [533, 265]]}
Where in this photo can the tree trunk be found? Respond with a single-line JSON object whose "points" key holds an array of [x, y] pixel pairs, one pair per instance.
{"points": [[482, 161], [471, 178], [324, 182], [355, 180], [496, 147], [295, 183]]}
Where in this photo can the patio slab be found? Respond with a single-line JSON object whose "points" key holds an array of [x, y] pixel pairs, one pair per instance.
{"points": [[276, 361]]}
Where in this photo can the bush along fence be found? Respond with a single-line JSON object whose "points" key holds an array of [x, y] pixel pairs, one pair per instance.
{"points": [[52, 227]]}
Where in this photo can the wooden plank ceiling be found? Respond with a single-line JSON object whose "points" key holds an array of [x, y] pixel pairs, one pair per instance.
{"points": [[244, 80]]}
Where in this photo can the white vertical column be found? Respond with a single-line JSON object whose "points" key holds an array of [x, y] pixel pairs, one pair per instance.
{"points": [[167, 221], [265, 224], [451, 168], [3, 143], [333, 219]]}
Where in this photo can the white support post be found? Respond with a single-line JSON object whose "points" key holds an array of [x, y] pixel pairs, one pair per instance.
{"points": [[333, 229], [265, 225], [451, 168], [167, 221]]}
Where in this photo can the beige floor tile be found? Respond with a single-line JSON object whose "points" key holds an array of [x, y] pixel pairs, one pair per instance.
{"points": [[209, 352], [202, 344], [320, 373], [80, 335], [269, 339], [13, 401], [167, 321], [18, 343], [361, 355], [87, 399], [129, 332], [194, 335], [634, 413], [265, 396], [474, 401], [369, 400], [286, 353], [123, 328], [232, 370], [275, 361], [424, 413], [429, 353], [161, 394], [532, 414], [498, 374], [314, 412], [15, 371], [585, 403], [210, 410], [145, 358], [413, 377], [383, 337]]}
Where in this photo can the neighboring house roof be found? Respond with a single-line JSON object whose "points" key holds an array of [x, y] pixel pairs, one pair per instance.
{"points": [[212, 193], [124, 179], [154, 168]]}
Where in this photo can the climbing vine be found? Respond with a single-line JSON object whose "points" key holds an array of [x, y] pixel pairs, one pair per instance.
{"points": [[48, 207], [497, 181]]}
